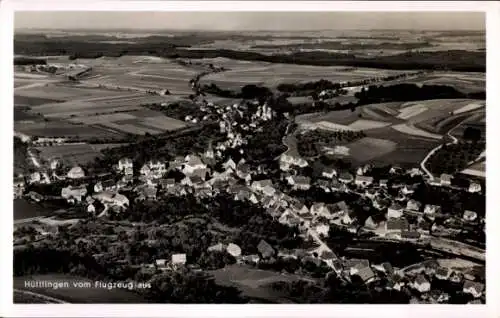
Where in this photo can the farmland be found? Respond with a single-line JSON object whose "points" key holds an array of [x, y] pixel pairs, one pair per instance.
{"points": [[273, 74], [107, 104], [253, 283], [73, 154], [397, 132]]}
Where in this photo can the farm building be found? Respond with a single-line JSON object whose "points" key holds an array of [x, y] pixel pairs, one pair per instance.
{"points": [[76, 173], [125, 163], [363, 181], [346, 177], [474, 288], [432, 209], [422, 284], [469, 215], [394, 211], [234, 250], [178, 259], [413, 205], [474, 187]]}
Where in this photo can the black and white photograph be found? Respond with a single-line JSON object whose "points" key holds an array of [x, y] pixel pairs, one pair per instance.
{"points": [[211, 157]]}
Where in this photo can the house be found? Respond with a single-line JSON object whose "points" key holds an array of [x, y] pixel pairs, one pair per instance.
{"points": [[74, 193], [90, 208], [243, 194], [98, 187], [370, 223], [252, 259], [329, 173], [167, 183], [456, 277], [345, 177], [348, 219], [406, 190], [35, 177], [300, 208], [54, 164], [469, 215], [430, 209], [299, 182], [442, 273], [268, 191], [474, 187], [216, 248], [229, 164], [113, 199], [445, 179], [383, 183], [363, 181], [396, 225], [414, 172], [422, 284], [19, 186], [178, 259], [287, 160], [385, 267], [145, 170], [322, 229], [261, 184], [234, 250], [161, 264], [108, 185], [320, 209], [76, 173], [335, 185], [476, 289], [192, 163], [265, 249], [366, 274], [323, 184], [413, 205], [379, 204], [243, 171], [201, 173], [125, 164], [394, 211]]}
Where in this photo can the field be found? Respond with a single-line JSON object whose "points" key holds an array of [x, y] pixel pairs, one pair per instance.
{"points": [[368, 148], [63, 129], [464, 82], [73, 154], [477, 170], [78, 295], [24, 209], [398, 132], [107, 104], [252, 282], [273, 74]]}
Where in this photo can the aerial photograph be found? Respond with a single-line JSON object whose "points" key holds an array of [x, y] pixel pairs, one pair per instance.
{"points": [[249, 157]]}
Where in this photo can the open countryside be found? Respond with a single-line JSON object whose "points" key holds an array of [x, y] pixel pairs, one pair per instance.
{"points": [[231, 167]]}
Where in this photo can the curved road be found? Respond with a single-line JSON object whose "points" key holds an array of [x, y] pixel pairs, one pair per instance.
{"points": [[454, 141]]}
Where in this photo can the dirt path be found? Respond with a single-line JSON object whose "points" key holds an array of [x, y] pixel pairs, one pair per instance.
{"points": [[433, 151]]}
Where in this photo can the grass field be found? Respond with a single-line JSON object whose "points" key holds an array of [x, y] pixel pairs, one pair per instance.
{"points": [[252, 282], [24, 209], [79, 294], [369, 148], [273, 74], [412, 130], [63, 129], [73, 154]]}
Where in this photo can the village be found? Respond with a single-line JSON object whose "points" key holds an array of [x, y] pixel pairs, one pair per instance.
{"points": [[391, 214]]}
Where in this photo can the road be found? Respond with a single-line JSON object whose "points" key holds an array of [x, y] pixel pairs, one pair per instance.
{"points": [[47, 299], [454, 141]]}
